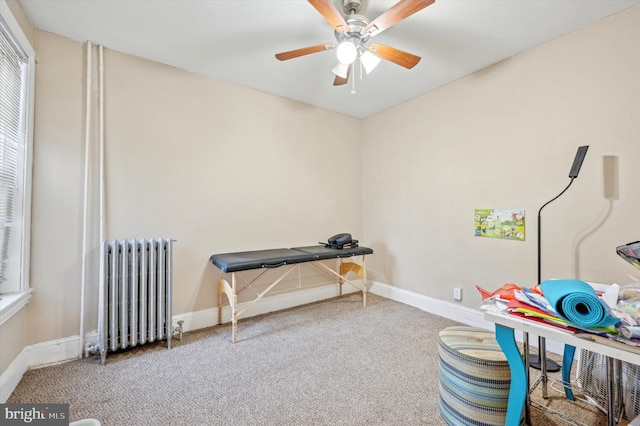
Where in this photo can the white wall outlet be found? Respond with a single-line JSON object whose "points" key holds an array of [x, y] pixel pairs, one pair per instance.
{"points": [[457, 294]]}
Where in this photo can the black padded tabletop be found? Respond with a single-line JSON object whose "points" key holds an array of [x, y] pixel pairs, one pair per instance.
{"points": [[273, 258], [321, 252]]}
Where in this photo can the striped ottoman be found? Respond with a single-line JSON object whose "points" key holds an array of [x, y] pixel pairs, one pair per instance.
{"points": [[474, 377]]}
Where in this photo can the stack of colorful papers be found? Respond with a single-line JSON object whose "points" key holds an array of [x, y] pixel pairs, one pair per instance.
{"points": [[535, 307]]}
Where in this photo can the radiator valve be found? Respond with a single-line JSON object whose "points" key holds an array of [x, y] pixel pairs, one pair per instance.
{"points": [[178, 329], [90, 349]]}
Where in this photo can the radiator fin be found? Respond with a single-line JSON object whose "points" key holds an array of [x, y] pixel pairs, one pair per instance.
{"points": [[135, 299]]}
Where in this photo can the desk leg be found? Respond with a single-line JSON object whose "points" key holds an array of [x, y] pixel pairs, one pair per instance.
{"points": [[526, 352], [611, 406], [542, 355], [567, 362], [518, 390], [619, 390]]}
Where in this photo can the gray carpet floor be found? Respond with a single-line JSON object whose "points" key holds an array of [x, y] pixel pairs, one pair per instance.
{"points": [[327, 363]]}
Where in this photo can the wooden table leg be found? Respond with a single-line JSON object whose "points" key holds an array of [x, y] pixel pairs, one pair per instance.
{"points": [[230, 291], [364, 284], [340, 280], [234, 308], [220, 293]]}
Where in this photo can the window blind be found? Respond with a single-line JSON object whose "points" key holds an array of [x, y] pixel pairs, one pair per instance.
{"points": [[12, 89]]}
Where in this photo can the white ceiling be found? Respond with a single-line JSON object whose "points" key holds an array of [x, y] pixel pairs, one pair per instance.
{"points": [[236, 40]]}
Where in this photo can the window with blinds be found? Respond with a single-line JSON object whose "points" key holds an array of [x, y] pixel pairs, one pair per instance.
{"points": [[13, 87]]}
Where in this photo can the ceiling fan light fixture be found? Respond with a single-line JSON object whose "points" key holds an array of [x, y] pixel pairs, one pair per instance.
{"points": [[347, 52], [369, 61], [341, 70]]}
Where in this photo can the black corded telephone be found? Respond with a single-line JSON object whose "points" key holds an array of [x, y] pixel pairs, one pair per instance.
{"points": [[339, 241]]}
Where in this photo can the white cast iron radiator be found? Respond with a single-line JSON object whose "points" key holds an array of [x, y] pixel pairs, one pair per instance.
{"points": [[135, 296]]}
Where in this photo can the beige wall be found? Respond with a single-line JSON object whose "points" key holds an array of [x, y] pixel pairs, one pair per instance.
{"points": [[56, 227], [213, 165], [13, 334], [21, 19], [505, 137], [222, 168]]}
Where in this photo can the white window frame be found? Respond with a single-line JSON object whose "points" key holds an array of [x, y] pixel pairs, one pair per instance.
{"points": [[15, 293]]}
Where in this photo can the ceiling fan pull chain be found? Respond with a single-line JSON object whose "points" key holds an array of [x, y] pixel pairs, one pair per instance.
{"points": [[353, 84]]}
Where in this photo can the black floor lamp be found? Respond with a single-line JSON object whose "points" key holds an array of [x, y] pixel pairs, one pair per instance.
{"points": [[534, 360]]}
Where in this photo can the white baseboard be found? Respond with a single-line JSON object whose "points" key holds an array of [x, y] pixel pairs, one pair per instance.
{"points": [[209, 317], [450, 310], [69, 348], [40, 355], [54, 351], [442, 308], [13, 374]]}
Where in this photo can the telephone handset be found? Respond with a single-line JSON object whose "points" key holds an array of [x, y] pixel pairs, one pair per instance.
{"points": [[339, 241]]}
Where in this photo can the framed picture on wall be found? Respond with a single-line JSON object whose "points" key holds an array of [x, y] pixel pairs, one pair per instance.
{"points": [[506, 224]]}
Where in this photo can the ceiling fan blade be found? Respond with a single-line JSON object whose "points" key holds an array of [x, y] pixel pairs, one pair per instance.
{"points": [[396, 56], [395, 14], [331, 14], [340, 81], [304, 51]]}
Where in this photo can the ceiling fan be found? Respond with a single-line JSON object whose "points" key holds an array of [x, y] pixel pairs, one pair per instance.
{"points": [[353, 34]]}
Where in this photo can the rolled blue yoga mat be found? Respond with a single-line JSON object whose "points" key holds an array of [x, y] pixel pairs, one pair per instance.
{"points": [[577, 302]]}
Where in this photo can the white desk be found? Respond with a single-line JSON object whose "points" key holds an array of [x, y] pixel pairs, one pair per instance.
{"points": [[505, 327]]}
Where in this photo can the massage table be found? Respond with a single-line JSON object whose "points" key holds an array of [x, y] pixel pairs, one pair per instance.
{"points": [[288, 259]]}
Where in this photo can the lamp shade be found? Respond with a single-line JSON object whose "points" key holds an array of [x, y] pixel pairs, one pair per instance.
{"points": [[341, 70], [347, 52], [369, 61]]}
